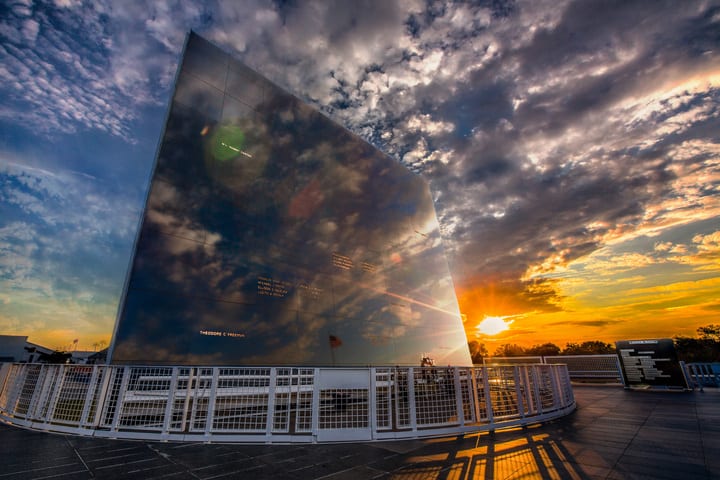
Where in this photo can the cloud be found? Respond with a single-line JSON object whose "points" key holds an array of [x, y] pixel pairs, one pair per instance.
{"points": [[704, 254], [567, 173], [52, 249], [548, 130], [709, 244], [70, 67], [502, 117], [589, 323]]}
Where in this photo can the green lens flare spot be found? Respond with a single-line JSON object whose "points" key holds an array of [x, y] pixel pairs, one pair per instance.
{"points": [[227, 142]]}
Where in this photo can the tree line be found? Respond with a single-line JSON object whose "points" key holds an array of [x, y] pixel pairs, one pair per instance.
{"points": [[593, 347], [705, 347]]}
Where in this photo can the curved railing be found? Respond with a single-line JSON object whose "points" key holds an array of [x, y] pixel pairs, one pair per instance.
{"points": [[280, 404]]}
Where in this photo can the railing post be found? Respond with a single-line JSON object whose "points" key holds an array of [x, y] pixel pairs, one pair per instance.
{"points": [[89, 396], [412, 411], [186, 405], [120, 399], [316, 404], [559, 385], [59, 383], [536, 404], [567, 384], [20, 383], [620, 371], [197, 392], [8, 388], [39, 396], [172, 388], [488, 397], [458, 396], [474, 394], [373, 403], [5, 374], [690, 378], [211, 402], [269, 421], [518, 391], [102, 396]]}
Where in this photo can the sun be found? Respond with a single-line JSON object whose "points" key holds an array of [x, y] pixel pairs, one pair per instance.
{"points": [[493, 325]]}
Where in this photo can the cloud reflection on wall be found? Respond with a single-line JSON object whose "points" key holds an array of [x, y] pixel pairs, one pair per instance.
{"points": [[269, 229]]}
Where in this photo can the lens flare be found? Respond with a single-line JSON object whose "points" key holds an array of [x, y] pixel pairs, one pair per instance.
{"points": [[493, 325], [227, 142]]}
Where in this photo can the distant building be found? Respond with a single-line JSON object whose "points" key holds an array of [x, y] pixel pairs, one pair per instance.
{"points": [[37, 353], [16, 348], [83, 356], [98, 357], [12, 348], [273, 236]]}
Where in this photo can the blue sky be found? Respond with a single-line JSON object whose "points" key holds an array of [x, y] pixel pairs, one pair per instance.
{"points": [[572, 147]]}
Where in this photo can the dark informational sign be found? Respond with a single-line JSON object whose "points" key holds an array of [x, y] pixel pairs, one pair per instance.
{"points": [[650, 363]]}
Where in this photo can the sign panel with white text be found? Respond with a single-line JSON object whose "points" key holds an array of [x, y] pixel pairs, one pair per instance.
{"points": [[650, 363]]}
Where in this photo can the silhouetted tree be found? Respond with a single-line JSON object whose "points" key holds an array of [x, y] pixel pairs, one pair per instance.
{"points": [[592, 347], [55, 357], [691, 349], [709, 332], [477, 351], [510, 350], [703, 349], [544, 350]]}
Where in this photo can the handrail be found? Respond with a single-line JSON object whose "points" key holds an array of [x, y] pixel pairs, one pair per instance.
{"points": [[280, 404], [703, 375], [601, 367]]}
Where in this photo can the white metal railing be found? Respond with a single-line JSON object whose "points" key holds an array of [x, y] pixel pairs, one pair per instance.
{"points": [[512, 360], [605, 367], [280, 404], [702, 375], [600, 367]]}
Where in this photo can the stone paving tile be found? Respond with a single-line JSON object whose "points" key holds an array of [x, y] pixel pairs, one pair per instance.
{"points": [[660, 456], [598, 457], [399, 446], [389, 463], [59, 470], [669, 470], [79, 474], [667, 441], [16, 462], [711, 439], [362, 471], [215, 467], [710, 430], [585, 471], [713, 467], [142, 471]]}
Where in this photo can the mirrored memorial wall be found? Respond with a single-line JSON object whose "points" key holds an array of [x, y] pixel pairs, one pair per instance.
{"points": [[273, 236]]}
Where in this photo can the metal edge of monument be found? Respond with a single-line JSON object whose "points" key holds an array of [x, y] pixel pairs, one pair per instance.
{"points": [[650, 363]]}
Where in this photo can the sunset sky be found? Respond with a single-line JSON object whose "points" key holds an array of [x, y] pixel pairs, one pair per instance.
{"points": [[573, 148]]}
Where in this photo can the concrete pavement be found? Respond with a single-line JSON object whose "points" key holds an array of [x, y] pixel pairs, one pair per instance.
{"points": [[614, 434]]}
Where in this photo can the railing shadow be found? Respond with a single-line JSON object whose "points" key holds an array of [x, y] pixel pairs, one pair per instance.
{"points": [[517, 453]]}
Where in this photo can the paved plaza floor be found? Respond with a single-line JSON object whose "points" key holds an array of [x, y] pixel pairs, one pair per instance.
{"points": [[614, 434]]}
